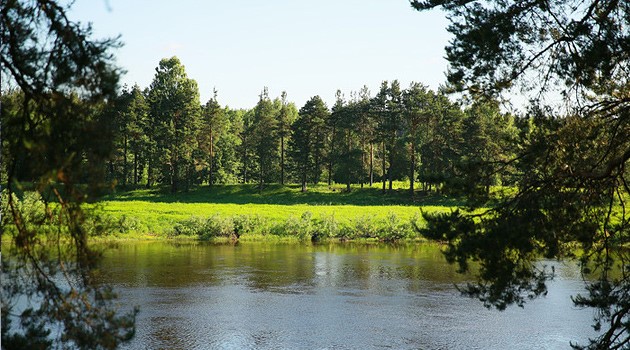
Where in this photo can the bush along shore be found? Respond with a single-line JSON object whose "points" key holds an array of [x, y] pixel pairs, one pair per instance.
{"points": [[306, 227]]}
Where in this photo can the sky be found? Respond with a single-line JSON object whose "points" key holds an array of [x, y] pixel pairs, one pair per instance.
{"points": [[305, 48]]}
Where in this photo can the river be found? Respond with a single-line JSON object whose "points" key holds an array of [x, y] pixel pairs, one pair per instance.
{"points": [[337, 296]]}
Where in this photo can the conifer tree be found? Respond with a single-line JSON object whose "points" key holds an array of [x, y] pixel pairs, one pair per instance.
{"points": [[307, 146], [175, 114], [264, 138], [213, 125]]}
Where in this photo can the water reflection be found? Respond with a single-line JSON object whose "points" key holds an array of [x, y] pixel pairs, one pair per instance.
{"points": [[269, 296]]}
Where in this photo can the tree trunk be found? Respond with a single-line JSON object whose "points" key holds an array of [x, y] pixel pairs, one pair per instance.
{"points": [[363, 161], [211, 171], [135, 168], [244, 164], [188, 177], [330, 156], [282, 159], [175, 155], [348, 173], [304, 181], [412, 170], [173, 184], [330, 166], [316, 169], [362, 179], [389, 169], [174, 170], [111, 169], [383, 160], [371, 164], [149, 173], [260, 177], [125, 169]]}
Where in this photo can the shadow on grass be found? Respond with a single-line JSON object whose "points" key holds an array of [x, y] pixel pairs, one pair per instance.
{"points": [[285, 195]]}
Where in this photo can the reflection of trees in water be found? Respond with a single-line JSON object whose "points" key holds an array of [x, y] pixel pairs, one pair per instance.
{"points": [[282, 268]]}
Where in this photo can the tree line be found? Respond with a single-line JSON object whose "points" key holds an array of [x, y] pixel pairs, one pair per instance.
{"points": [[163, 135]]}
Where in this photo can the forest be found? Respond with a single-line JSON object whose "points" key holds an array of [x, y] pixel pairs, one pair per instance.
{"points": [[163, 136]]}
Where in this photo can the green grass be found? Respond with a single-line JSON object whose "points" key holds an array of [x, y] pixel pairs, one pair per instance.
{"points": [[287, 195], [156, 212]]}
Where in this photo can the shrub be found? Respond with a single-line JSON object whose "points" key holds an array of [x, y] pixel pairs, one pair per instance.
{"points": [[325, 227], [301, 228], [393, 229], [128, 224], [191, 227], [217, 226], [249, 224], [31, 206], [364, 227], [346, 232]]}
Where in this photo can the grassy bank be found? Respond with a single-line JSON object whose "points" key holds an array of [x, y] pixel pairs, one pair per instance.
{"points": [[278, 211]]}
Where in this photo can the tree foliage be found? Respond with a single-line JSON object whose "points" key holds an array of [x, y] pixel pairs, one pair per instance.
{"points": [[307, 146], [55, 136], [129, 113], [214, 124], [571, 172], [175, 119], [264, 137]]}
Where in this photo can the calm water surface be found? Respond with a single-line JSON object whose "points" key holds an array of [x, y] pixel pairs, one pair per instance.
{"points": [[287, 296]]}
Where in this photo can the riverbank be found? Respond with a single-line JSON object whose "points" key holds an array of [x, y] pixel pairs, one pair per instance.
{"points": [[278, 212], [242, 212]]}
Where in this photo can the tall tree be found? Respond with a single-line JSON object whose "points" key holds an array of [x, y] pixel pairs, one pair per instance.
{"points": [[489, 142], [214, 124], [175, 112], [389, 123], [348, 153], [365, 129], [416, 107], [441, 147], [286, 117], [130, 112], [138, 110], [56, 138], [307, 146], [379, 113], [333, 126], [227, 159], [264, 135], [573, 178], [247, 146], [394, 131]]}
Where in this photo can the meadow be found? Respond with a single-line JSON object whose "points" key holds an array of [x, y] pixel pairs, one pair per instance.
{"points": [[244, 212]]}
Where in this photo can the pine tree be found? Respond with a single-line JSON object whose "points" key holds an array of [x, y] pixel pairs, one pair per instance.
{"points": [[286, 117], [264, 138], [175, 113], [307, 147], [415, 102], [214, 124]]}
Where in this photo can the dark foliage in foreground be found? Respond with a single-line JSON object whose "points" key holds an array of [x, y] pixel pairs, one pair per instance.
{"points": [[52, 134], [572, 175]]}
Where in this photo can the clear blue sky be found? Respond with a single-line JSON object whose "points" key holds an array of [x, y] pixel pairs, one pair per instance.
{"points": [[304, 47]]}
